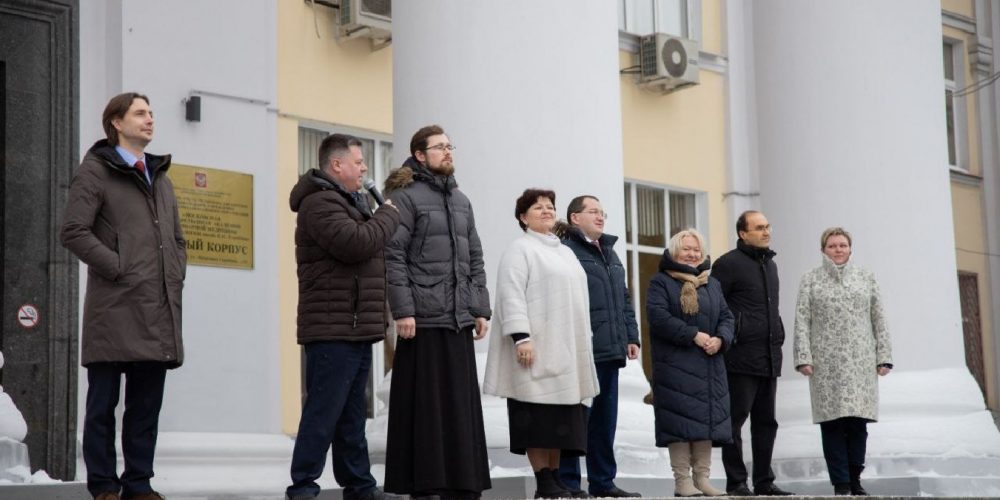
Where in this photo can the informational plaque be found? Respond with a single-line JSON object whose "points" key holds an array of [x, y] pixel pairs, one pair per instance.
{"points": [[216, 209]]}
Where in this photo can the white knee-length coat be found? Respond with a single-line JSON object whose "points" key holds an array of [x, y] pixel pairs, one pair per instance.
{"points": [[542, 290], [840, 330]]}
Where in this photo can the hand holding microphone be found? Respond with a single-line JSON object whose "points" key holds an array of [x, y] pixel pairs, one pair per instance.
{"points": [[370, 186]]}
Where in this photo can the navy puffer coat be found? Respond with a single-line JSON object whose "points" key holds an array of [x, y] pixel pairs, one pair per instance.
{"points": [[612, 318], [690, 391]]}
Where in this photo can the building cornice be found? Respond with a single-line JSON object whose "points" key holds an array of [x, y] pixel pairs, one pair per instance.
{"points": [[965, 178]]}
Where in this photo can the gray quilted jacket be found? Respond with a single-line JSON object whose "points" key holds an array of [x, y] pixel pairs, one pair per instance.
{"points": [[434, 262]]}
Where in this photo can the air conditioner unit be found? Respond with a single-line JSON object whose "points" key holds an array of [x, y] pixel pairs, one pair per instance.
{"points": [[366, 18], [667, 63]]}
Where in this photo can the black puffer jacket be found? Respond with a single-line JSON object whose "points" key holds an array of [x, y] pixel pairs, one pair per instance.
{"points": [[341, 265], [690, 390], [749, 279], [435, 260], [612, 318]]}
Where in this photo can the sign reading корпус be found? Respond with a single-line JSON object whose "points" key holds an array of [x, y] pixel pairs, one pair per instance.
{"points": [[216, 210]]}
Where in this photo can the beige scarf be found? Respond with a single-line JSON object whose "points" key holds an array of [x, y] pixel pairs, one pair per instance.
{"points": [[689, 292]]}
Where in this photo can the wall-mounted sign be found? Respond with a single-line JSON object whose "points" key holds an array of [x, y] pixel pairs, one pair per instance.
{"points": [[216, 209], [27, 316]]}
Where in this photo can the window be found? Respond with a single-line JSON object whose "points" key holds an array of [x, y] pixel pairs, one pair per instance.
{"points": [[377, 150], [954, 106], [643, 17], [652, 214]]}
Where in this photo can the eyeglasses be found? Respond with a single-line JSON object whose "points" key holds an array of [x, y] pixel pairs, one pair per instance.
{"points": [[441, 147], [763, 229], [595, 212]]}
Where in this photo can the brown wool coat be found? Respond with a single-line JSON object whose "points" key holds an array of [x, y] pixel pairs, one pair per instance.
{"points": [[129, 235], [341, 264]]}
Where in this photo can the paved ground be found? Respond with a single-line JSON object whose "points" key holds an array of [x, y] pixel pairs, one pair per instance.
{"points": [[510, 487]]}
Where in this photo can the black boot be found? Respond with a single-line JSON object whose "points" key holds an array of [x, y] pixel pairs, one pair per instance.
{"points": [[573, 493], [842, 489], [856, 488], [546, 485]]}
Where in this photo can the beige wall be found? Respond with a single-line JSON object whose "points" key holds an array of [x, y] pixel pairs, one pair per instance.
{"points": [[678, 140], [963, 7], [711, 26], [967, 202], [322, 81], [970, 244]]}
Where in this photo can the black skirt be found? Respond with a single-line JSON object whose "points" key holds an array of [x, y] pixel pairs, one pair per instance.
{"points": [[554, 427], [435, 440]]}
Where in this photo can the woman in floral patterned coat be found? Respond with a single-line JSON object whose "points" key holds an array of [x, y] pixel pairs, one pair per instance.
{"points": [[842, 344]]}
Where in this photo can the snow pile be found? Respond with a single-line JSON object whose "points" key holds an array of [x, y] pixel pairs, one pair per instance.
{"points": [[14, 465], [12, 423]]}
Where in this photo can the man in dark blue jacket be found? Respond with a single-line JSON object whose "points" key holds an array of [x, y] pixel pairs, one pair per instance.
{"points": [[616, 338], [749, 279]]}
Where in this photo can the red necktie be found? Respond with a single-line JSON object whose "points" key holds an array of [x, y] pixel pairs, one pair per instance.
{"points": [[141, 167]]}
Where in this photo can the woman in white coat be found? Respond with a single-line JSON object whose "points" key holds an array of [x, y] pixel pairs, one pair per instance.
{"points": [[540, 355], [842, 345]]}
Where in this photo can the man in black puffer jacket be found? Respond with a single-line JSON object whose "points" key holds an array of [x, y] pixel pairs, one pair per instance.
{"points": [[615, 337], [749, 279], [341, 267]]}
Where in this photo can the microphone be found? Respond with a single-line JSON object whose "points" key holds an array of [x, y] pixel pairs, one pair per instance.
{"points": [[370, 186]]}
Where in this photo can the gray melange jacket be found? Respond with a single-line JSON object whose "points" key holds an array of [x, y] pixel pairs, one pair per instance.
{"points": [[434, 262]]}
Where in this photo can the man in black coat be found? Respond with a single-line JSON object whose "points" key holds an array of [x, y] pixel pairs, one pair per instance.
{"points": [[749, 279], [616, 338]]}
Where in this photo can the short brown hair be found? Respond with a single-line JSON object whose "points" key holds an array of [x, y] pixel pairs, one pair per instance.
{"points": [[528, 198], [834, 231], [116, 108], [419, 140]]}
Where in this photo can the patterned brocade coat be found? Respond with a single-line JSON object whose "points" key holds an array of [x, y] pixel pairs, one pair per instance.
{"points": [[840, 330]]}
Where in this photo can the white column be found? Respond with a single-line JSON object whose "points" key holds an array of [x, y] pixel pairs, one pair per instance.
{"points": [[527, 91], [851, 128]]}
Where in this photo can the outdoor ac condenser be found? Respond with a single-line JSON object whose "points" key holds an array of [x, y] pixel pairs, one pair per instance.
{"points": [[667, 63]]}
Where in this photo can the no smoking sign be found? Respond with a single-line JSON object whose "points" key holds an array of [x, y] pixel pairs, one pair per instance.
{"points": [[27, 316]]}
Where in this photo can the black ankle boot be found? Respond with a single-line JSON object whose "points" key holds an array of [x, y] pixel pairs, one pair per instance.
{"points": [[856, 488], [546, 485], [842, 489]]}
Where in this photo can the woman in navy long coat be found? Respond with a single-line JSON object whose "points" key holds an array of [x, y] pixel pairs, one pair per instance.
{"points": [[690, 327]]}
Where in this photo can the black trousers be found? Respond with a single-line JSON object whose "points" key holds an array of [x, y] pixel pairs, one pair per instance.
{"points": [[844, 443], [754, 397], [140, 423]]}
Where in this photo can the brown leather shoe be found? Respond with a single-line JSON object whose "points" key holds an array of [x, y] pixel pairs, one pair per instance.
{"points": [[152, 495], [107, 495]]}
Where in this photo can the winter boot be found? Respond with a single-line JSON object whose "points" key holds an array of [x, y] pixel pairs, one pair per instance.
{"points": [[842, 489], [546, 485], [701, 463], [680, 462], [856, 488]]}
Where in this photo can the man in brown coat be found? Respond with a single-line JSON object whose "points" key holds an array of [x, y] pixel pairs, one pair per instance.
{"points": [[341, 266], [121, 220]]}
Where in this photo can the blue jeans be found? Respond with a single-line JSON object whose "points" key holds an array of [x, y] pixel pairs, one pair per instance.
{"points": [[844, 442], [143, 399], [334, 415], [601, 424]]}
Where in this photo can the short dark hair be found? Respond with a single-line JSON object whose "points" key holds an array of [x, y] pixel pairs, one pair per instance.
{"points": [[528, 198], [419, 140], [116, 109], [576, 206], [741, 222], [335, 145]]}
